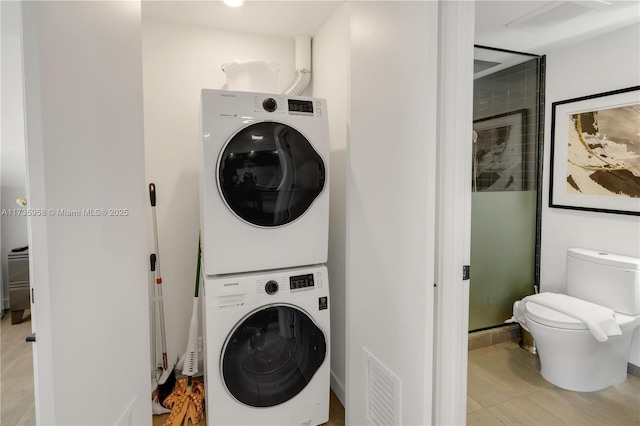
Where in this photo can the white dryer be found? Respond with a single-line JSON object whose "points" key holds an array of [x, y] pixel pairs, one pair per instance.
{"points": [[267, 347], [265, 189]]}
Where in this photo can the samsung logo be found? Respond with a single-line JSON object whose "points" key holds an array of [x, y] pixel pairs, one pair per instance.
{"points": [[230, 284]]}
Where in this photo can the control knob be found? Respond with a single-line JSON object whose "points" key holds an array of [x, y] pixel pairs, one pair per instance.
{"points": [[271, 287], [270, 104]]}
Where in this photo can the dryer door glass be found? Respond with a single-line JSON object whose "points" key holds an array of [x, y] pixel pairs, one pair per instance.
{"points": [[271, 356], [269, 174]]}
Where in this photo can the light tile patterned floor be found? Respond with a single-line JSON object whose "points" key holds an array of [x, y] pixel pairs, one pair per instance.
{"points": [[336, 414], [16, 364], [506, 388], [17, 406]]}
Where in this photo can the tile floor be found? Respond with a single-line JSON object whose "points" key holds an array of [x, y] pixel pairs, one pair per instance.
{"points": [[336, 414], [17, 405], [504, 388], [16, 389]]}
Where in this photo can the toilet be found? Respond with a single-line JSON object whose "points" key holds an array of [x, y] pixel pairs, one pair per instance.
{"points": [[570, 356]]}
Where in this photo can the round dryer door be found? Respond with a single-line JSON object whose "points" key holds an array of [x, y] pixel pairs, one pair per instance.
{"points": [[272, 355], [269, 174]]}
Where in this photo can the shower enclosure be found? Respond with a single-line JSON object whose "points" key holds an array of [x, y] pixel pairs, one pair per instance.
{"points": [[506, 179]]}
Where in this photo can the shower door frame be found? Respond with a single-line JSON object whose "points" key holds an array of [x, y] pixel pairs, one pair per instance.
{"points": [[539, 150]]}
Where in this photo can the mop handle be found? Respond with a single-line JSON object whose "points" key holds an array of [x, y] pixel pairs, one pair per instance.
{"points": [[152, 196], [163, 337], [152, 261]]}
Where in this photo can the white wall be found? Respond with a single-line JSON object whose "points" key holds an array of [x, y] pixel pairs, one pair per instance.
{"points": [[390, 202], [12, 156], [178, 61], [331, 61], [608, 62], [85, 150]]}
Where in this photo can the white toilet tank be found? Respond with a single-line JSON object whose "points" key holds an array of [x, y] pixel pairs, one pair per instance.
{"points": [[607, 279]]}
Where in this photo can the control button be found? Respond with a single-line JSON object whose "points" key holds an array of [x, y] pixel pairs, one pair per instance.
{"points": [[319, 283], [271, 287], [270, 104]]}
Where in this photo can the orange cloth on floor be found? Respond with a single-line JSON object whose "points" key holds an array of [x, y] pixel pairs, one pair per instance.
{"points": [[185, 405]]}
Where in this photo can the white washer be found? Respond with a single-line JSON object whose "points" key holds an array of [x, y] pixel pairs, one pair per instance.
{"points": [[265, 182], [267, 347]]}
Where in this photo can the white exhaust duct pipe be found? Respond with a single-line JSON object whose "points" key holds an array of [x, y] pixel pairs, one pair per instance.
{"points": [[303, 67]]}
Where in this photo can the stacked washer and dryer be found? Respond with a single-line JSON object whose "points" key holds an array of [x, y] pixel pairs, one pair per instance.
{"points": [[264, 224]]}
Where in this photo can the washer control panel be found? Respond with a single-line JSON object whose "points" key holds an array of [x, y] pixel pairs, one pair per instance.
{"points": [[251, 289], [301, 282], [295, 106], [279, 105], [300, 107]]}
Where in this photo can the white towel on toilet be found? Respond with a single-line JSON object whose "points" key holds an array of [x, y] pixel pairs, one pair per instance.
{"points": [[518, 314], [600, 320]]}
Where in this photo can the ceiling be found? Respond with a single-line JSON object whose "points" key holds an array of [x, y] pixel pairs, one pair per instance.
{"points": [[561, 21], [503, 24], [285, 18]]}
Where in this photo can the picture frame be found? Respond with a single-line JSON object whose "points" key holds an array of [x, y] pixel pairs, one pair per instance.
{"points": [[595, 153], [499, 162]]}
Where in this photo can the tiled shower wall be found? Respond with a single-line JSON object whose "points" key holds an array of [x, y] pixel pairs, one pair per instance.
{"points": [[509, 91]]}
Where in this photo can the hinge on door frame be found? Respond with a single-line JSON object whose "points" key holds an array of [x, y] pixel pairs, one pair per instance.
{"points": [[466, 271]]}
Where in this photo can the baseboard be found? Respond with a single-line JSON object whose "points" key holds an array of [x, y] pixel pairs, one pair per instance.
{"points": [[634, 370], [493, 336], [338, 388]]}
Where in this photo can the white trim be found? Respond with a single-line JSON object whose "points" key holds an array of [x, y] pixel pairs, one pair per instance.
{"points": [[2, 299], [454, 210], [431, 269], [37, 225]]}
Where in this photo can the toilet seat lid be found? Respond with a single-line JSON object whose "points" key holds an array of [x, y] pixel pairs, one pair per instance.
{"points": [[552, 318]]}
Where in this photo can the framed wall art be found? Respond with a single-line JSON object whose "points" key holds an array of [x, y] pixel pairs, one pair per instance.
{"points": [[595, 153], [498, 162]]}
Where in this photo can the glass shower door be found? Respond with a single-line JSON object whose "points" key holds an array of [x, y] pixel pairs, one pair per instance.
{"points": [[505, 181]]}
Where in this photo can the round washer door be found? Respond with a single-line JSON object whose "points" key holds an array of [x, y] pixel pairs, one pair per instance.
{"points": [[272, 355], [269, 174]]}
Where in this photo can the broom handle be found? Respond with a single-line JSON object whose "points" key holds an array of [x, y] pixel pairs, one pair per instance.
{"points": [[163, 337]]}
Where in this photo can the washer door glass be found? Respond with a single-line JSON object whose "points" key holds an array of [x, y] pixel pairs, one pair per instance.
{"points": [[271, 356], [269, 174]]}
